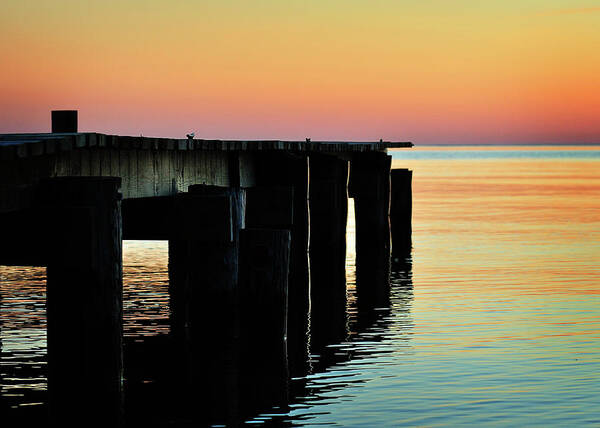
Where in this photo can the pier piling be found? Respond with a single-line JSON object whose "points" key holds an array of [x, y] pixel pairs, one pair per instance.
{"points": [[203, 281], [401, 213], [84, 300], [264, 268], [270, 207], [291, 170], [328, 196], [370, 187], [203, 259]]}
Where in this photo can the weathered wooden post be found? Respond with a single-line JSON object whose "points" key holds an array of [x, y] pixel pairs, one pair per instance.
{"points": [[270, 207], [203, 274], [291, 170], [84, 299], [64, 121], [401, 213], [370, 188], [264, 267], [328, 201]]}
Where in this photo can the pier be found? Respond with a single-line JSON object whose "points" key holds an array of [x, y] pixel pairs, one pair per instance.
{"points": [[259, 222]]}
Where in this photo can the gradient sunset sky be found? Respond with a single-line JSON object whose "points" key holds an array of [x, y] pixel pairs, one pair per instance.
{"points": [[428, 71]]}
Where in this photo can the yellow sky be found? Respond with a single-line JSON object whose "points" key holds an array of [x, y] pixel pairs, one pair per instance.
{"points": [[427, 71]]}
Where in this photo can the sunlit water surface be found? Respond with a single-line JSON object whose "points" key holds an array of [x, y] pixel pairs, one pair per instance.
{"points": [[496, 322]]}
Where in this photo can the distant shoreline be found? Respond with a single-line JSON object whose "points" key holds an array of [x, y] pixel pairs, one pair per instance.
{"points": [[503, 144]]}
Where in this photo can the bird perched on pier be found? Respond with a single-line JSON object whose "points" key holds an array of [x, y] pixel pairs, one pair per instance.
{"points": [[190, 135], [308, 140]]}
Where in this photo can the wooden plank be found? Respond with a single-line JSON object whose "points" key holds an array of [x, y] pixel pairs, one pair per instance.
{"points": [[74, 157], [37, 148], [132, 178], [67, 143], [81, 140], [50, 146], [104, 161], [145, 173], [222, 170], [247, 170], [115, 163], [92, 139], [182, 144], [124, 173], [85, 159], [156, 161], [178, 171], [61, 165], [188, 169], [163, 160], [200, 169], [95, 162]]}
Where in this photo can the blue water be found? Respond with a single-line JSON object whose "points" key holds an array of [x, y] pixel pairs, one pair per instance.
{"points": [[497, 320], [494, 319]]}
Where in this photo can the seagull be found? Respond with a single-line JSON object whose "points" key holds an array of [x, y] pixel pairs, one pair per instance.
{"points": [[190, 136], [308, 140]]}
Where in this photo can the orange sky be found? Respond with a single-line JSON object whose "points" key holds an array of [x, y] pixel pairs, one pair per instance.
{"points": [[431, 72]]}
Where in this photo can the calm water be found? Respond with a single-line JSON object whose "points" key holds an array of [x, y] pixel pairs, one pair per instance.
{"points": [[494, 320]]}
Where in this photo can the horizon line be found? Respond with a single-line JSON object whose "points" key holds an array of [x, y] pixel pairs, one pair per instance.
{"points": [[506, 144]]}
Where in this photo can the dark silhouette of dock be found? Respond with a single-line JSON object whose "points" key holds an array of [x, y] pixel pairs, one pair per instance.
{"points": [[258, 222]]}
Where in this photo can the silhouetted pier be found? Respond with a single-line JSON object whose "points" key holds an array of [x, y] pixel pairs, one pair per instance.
{"points": [[262, 222]]}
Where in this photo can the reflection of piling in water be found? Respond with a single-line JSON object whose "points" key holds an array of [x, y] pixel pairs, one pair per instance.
{"points": [[328, 198], [373, 315]]}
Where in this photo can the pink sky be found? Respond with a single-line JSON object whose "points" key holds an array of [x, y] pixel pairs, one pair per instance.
{"points": [[436, 73]]}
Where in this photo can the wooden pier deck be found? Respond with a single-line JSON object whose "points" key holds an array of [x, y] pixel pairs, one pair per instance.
{"points": [[150, 166], [251, 220]]}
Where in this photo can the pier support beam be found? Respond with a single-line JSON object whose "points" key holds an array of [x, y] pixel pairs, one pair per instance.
{"points": [[264, 266], [291, 170], [370, 188], [328, 196], [203, 281], [203, 259], [401, 213], [138, 225], [84, 300]]}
